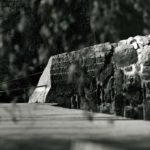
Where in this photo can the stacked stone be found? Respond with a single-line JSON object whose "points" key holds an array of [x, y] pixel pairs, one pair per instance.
{"points": [[92, 58], [132, 57], [122, 70]]}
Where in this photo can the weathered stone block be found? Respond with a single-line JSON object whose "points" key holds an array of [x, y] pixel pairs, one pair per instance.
{"points": [[143, 40], [100, 60], [106, 72], [145, 77], [146, 63], [118, 81], [146, 73], [146, 69], [90, 61], [128, 69], [125, 55], [96, 66], [144, 55], [91, 73]]}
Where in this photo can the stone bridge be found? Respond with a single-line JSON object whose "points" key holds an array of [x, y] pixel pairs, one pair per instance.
{"points": [[116, 73]]}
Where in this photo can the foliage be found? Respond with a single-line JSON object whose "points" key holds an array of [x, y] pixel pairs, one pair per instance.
{"points": [[33, 30]]}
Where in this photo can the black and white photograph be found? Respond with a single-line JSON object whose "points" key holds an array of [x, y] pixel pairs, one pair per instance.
{"points": [[74, 74]]}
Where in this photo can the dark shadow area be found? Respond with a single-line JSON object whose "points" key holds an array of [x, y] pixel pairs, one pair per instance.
{"points": [[45, 143]]}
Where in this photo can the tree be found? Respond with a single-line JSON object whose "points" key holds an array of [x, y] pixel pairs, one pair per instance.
{"points": [[33, 30]]}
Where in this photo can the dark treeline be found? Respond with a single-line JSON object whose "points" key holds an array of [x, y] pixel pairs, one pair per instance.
{"points": [[33, 30]]}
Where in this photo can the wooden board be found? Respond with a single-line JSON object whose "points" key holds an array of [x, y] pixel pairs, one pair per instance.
{"points": [[42, 126]]}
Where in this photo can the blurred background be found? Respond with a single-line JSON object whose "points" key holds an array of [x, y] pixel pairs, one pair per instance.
{"points": [[33, 30]]}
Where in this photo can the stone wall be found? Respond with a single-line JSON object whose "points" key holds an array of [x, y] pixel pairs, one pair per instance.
{"points": [[118, 72]]}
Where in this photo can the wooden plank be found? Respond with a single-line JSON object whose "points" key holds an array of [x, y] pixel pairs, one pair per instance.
{"points": [[42, 126]]}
